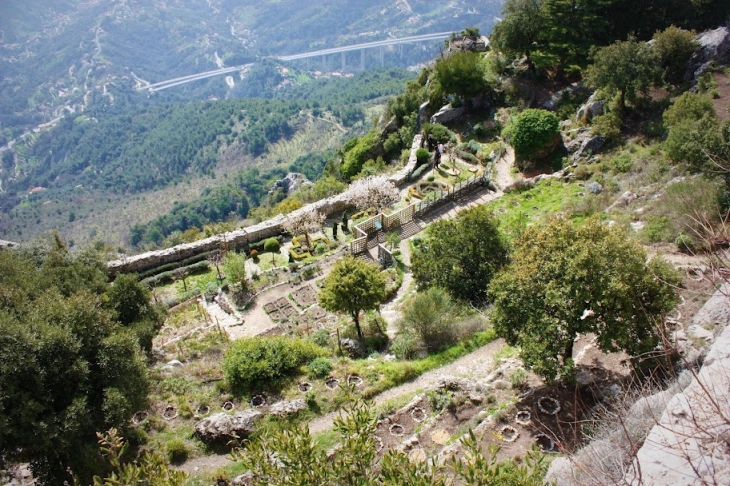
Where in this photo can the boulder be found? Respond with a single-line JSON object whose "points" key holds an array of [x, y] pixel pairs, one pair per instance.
{"points": [[585, 143], [287, 407], [352, 348], [448, 114], [591, 109], [714, 46], [290, 183], [222, 427]]}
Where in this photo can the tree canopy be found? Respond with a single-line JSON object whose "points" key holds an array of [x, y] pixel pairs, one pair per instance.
{"points": [[70, 359], [533, 133], [461, 73], [568, 279], [623, 68], [352, 286], [461, 255]]}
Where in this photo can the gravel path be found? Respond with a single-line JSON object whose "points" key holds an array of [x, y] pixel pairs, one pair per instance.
{"points": [[473, 365]]}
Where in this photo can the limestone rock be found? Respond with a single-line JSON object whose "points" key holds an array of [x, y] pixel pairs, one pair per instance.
{"points": [[353, 348], [290, 183], [288, 407], [592, 108], [714, 46], [246, 479], [222, 427], [448, 114]]}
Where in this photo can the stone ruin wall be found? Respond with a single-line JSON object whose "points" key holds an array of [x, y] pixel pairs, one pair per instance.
{"points": [[241, 237]]}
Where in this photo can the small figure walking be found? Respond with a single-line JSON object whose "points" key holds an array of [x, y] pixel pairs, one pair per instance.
{"points": [[439, 153]]}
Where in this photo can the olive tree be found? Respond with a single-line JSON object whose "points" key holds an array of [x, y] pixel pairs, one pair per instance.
{"points": [[461, 255], [353, 286], [567, 279]]}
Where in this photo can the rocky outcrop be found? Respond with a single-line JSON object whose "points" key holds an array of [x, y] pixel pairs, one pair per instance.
{"points": [[290, 183], [352, 348], [222, 427], [585, 143], [714, 46], [288, 407], [448, 114], [591, 109]]}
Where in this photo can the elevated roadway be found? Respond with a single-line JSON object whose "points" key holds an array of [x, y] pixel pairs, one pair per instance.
{"points": [[169, 83]]}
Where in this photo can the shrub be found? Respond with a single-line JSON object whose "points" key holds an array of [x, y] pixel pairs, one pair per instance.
{"points": [[261, 362], [319, 367], [608, 126], [404, 346], [533, 132], [582, 172], [271, 245], [518, 378], [429, 315], [439, 132], [685, 243], [253, 254], [177, 451], [321, 337], [621, 163], [422, 156]]}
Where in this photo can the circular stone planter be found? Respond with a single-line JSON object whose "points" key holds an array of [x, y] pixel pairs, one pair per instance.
{"points": [[397, 430], [509, 433], [331, 382], [418, 414], [548, 405], [523, 417], [203, 410], [228, 406], [545, 443], [169, 413], [695, 274], [258, 401], [681, 302], [354, 380], [304, 387], [140, 417]]}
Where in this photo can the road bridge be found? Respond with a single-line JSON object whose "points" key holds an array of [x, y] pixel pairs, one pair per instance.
{"points": [[169, 83]]}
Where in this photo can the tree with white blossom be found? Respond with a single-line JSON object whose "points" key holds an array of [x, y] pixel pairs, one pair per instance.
{"points": [[372, 191], [303, 221]]}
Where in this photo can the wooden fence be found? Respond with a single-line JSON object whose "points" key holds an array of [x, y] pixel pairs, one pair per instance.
{"points": [[389, 222]]}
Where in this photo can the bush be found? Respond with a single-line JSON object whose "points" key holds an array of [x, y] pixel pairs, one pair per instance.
{"points": [[430, 315], [319, 367], [404, 346], [621, 163], [439, 132], [321, 337], [532, 133], [518, 379], [608, 126], [256, 363], [253, 254], [177, 451], [422, 156], [272, 245]]}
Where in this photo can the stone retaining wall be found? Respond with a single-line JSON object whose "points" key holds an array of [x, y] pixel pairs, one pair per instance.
{"points": [[241, 237]]}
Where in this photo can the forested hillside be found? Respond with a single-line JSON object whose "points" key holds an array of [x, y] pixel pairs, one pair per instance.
{"points": [[97, 162]]}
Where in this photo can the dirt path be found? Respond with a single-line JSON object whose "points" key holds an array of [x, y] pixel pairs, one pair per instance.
{"points": [[473, 365]]}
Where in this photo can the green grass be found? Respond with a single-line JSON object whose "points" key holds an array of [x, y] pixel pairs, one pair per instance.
{"points": [[516, 210]]}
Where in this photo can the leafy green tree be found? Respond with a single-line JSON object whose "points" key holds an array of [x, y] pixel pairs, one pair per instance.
{"points": [[623, 68], [567, 279], [695, 133], [131, 303], [673, 47], [68, 365], [234, 266], [533, 134], [353, 286], [430, 316], [461, 255], [462, 74], [519, 30]]}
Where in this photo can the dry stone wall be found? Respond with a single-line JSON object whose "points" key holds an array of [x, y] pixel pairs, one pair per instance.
{"points": [[241, 237]]}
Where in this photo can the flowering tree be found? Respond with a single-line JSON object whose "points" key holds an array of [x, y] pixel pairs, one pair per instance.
{"points": [[372, 191], [303, 222]]}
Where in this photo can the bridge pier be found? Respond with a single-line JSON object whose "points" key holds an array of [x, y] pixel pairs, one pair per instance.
{"points": [[362, 59], [344, 64]]}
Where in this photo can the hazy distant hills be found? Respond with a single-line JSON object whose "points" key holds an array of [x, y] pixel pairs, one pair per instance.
{"points": [[59, 56]]}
